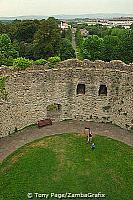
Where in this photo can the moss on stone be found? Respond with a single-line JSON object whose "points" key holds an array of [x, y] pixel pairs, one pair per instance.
{"points": [[3, 92]]}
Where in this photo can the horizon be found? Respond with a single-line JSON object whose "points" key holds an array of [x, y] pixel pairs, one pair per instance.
{"points": [[81, 14]]}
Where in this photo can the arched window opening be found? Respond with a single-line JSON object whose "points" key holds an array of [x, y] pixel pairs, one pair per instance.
{"points": [[81, 89], [103, 90]]}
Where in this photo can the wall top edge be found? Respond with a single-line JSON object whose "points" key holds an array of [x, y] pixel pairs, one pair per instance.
{"points": [[73, 64]]}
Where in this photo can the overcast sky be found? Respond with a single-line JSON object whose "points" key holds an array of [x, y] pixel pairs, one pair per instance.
{"points": [[51, 7]]}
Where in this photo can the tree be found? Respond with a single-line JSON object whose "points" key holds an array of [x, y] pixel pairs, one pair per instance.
{"points": [[25, 50], [7, 51], [22, 35], [92, 47], [47, 39], [98, 30], [126, 47], [3, 28], [24, 30], [131, 26], [66, 50], [118, 31], [67, 34], [110, 48], [79, 38], [41, 47]]}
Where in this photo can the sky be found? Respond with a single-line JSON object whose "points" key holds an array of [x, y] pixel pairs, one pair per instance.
{"points": [[68, 7]]}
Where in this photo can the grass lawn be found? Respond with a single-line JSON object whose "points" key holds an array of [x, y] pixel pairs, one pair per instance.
{"points": [[65, 163]]}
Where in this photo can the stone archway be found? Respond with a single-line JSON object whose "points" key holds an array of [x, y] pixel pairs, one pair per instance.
{"points": [[54, 112]]}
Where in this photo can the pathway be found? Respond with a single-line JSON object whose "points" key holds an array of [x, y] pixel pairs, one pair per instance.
{"points": [[10, 143], [74, 40]]}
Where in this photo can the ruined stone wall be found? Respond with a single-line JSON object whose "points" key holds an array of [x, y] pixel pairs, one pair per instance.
{"points": [[29, 93]]}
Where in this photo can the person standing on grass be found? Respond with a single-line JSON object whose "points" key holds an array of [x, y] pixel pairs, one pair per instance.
{"points": [[89, 134]]}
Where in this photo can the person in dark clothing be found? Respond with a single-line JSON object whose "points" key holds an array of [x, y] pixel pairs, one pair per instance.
{"points": [[89, 134]]}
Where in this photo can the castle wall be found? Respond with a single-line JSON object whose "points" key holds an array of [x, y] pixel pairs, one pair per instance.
{"points": [[29, 93]]}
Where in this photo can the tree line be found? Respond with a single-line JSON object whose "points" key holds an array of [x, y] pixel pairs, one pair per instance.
{"points": [[42, 41], [34, 40], [106, 44]]}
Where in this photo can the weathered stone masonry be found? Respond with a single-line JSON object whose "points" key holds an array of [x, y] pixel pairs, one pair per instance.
{"points": [[29, 93]]}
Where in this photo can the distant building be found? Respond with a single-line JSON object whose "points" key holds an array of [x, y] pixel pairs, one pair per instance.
{"points": [[84, 32], [125, 23], [122, 22], [64, 25]]}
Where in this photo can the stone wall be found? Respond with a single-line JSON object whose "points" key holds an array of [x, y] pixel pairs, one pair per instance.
{"points": [[29, 93]]}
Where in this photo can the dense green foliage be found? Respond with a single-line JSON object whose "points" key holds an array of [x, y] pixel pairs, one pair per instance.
{"points": [[54, 59], [79, 38], [67, 34], [126, 47], [40, 62], [116, 44], [47, 39], [2, 83], [35, 39], [7, 51], [110, 49], [22, 63], [131, 26], [66, 50], [98, 29], [42, 39], [92, 46], [65, 163]]}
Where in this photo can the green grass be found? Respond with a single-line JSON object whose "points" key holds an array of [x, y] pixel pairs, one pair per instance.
{"points": [[65, 163]]}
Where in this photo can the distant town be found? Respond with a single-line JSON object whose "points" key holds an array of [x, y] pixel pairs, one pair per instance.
{"points": [[124, 22], [105, 20]]}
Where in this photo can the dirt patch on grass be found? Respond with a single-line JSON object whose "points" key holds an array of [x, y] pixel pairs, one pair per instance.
{"points": [[14, 159], [56, 178], [5, 169], [118, 179], [61, 158], [44, 142], [80, 135], [39, 144]]}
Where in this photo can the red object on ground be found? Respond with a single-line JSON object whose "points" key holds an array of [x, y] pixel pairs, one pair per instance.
{"points": [[44, 122]]}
